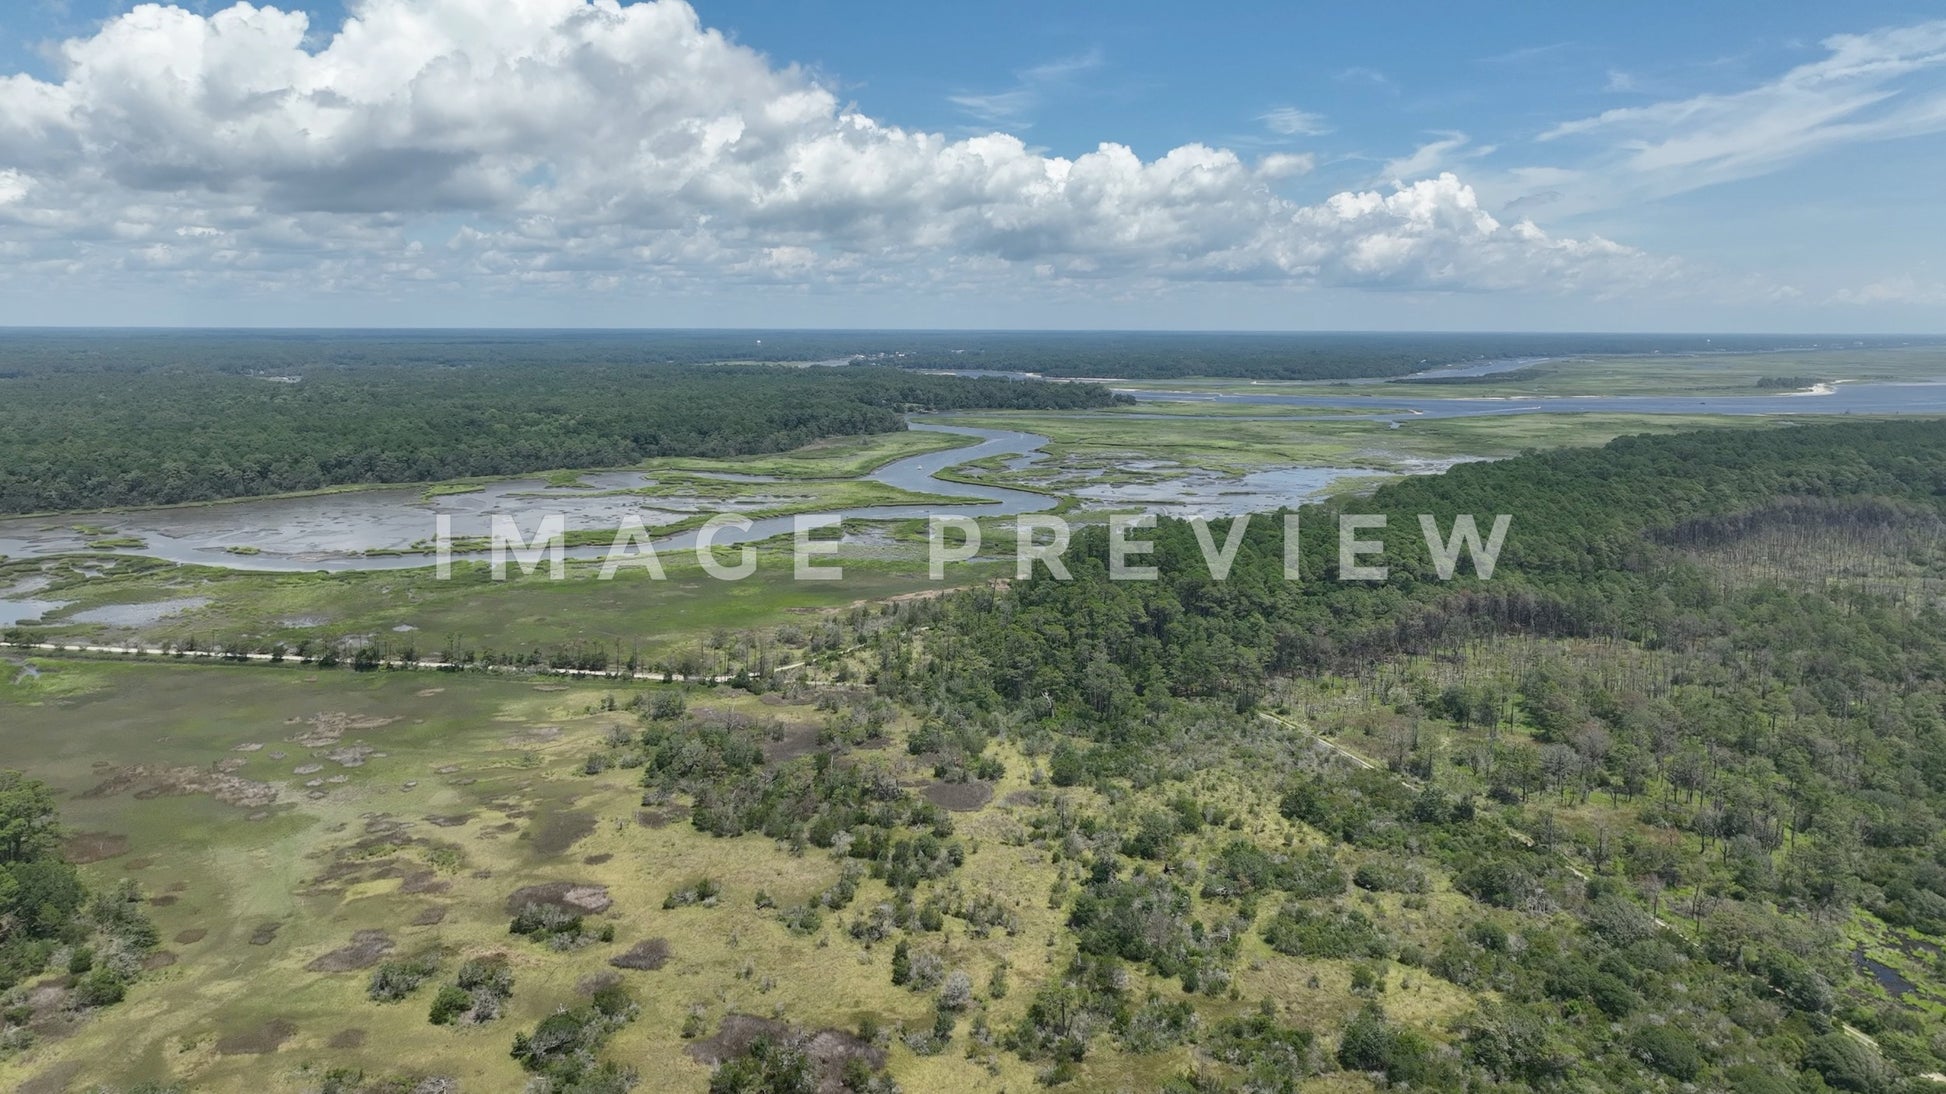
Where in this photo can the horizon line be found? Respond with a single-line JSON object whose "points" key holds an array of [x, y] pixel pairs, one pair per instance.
{"points": [[7, 328]]}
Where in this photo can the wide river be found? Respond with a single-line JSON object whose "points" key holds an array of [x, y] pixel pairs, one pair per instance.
{"points": [[334, 532], [1918, 397]]}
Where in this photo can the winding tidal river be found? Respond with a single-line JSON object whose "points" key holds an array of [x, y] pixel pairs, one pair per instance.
{"points": [[333, 531], [336, 532]]}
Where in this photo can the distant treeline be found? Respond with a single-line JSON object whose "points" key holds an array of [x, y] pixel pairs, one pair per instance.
{"points": [[1321, 355], [138, 421], [1291, 356]]}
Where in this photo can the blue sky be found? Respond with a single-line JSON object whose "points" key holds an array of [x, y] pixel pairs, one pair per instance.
{"points": [[1647, 166]]}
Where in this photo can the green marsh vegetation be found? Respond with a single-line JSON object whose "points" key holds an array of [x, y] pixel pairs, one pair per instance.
{"points": [[686, 623], [1099, 447]]}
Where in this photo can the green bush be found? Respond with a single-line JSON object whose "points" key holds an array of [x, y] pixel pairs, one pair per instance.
{"points": [[99, 988], [451, 1002], [1670, 1051], [767, 1067], [1847, 1063], [394, 980]]}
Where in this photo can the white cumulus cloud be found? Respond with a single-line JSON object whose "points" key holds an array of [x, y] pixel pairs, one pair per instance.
{"points": [[588, 144]]}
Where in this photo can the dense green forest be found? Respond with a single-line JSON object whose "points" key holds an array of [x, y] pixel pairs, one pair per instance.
{"points": [[1286, 356], [1317, 355], [1677, 785], [158, 424]]}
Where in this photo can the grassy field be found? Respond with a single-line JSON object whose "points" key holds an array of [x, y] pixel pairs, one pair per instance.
{"points": [[494, 761], [1104, 443], [413, 805], [846, 457], [630, 614], [1199, 408]]}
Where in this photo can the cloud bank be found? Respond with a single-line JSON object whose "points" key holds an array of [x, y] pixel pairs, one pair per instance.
{"points": [[590, 145]]}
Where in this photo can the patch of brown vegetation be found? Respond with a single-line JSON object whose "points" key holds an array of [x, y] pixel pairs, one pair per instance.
{"points": [[85, 847], [827, 1048], [155, 781], [453, 821], [265, 933], [366, 948], [350, 870], [351, 755], [556, 831], [347, 1038], [596, 860], [423, 881], [163, 901], [577, 897], [265, 1039], [959, 797], [430, 915], [594, 982], [328, 729], [787, 741], [648, 955], [192, 935], [160, 959]]}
